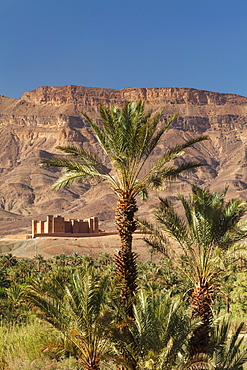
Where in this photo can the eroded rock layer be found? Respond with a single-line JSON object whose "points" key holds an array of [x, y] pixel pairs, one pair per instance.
{"points": [[32, 126]]}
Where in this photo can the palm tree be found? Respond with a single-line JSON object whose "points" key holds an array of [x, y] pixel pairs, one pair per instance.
{"points": [[8, 260], [15, 293], [158, 336], [75, 259], [229, 352], [78, 311], [39, 261], [128, 138], [211, 229], [4, 282]]}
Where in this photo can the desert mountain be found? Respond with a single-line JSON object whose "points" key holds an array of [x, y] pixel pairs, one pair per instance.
{"points": [[32, 126]]}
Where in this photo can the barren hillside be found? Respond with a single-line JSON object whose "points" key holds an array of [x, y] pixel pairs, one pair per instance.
{"points": [[32, 126]]}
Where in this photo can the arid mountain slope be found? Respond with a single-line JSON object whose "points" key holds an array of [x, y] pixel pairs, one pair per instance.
{"points": [[32, 126]]}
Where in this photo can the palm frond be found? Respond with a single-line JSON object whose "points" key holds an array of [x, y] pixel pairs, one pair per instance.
{"points": [[84, 158], [70, 178], [173, 224], [227, 353], [156, 180], [156, 138], [153, 236], [198, 362]]}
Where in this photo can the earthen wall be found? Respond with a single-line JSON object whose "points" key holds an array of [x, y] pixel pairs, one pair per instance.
{"points": [[56, 225]]}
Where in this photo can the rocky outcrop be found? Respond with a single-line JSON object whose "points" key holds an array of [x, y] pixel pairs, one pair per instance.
{"points": [[32, 126]]}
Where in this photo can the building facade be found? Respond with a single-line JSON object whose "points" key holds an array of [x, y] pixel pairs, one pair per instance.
{"points": [[58, 226]]}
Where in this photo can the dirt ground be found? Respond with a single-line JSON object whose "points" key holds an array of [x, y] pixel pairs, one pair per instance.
{"points": [[93, 246]]}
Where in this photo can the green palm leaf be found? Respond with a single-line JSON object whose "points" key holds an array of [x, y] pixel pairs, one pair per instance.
{"points": [[228, 354], [158, 336]]}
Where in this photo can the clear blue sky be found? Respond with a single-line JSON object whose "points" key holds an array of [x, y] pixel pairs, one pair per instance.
{"points": [[123, 43]]}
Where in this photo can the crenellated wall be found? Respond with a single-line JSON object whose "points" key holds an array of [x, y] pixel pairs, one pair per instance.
{"points": [[58, 226]]}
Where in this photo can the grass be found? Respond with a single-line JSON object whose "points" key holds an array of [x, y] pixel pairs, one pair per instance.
{"points": [[21, 347]]}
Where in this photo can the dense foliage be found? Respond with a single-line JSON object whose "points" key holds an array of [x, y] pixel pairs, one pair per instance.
{"points": [[35, 334], [209, 232]]}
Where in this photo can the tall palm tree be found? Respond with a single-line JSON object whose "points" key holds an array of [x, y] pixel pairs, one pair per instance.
{"points": [[78, 310], [210, 229], [128, 138]]}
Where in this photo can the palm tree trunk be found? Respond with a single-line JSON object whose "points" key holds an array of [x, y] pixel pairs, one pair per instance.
{"points": [[126, 259], [92, 364], [201, 304], [228, 302]]}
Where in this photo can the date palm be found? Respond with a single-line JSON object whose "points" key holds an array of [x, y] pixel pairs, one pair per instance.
{"points": [[158, 336], [8, 260], [78, 310], [128, 138], [210, 229]]}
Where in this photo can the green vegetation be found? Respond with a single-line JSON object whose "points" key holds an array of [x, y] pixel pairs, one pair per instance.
{"points": [[21, 346], [210, 231], [66, 315]]}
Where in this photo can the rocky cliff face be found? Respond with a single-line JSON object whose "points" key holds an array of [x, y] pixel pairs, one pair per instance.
{"points": [[32, 126]]}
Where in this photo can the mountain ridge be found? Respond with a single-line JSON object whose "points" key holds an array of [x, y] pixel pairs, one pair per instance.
{"points": [[41, 119]]}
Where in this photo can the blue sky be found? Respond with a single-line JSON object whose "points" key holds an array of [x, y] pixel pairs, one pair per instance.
{"points": [[123, 43]]}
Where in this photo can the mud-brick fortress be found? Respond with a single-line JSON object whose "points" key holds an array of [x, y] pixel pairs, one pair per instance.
{"points": [[58, 226]]}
